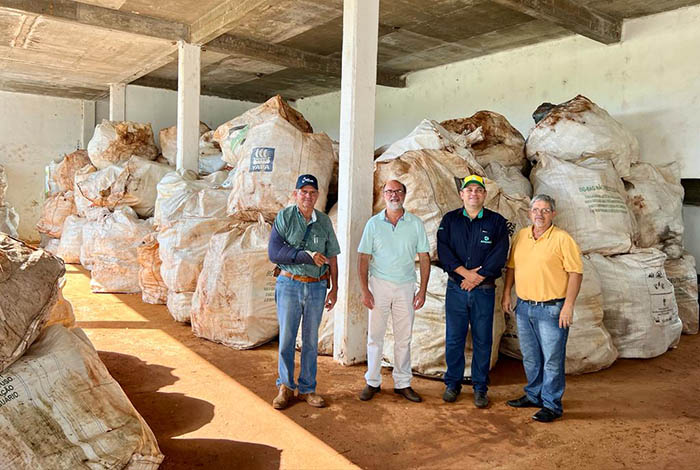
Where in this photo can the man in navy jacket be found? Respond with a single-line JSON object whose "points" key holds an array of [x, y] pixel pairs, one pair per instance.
{"points": [[472, 244]]}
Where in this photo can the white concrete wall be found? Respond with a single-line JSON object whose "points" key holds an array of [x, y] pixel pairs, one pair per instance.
{"points": [[650, 82], [159, 107], [33, 131]]}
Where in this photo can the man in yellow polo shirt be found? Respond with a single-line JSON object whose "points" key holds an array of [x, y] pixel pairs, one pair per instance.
{"points": [[545, 264]]}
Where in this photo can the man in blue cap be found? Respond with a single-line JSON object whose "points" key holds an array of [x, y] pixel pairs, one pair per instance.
{"points": [[472, 244], [305, 248]]}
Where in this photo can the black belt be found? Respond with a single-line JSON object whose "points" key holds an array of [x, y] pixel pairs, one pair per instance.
{"points": [[486, 286], [543, 303]]}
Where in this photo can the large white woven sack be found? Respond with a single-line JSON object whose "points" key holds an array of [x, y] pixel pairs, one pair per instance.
{"points": [[429, 176], [655, 198], [641, 313], [509, 178], [94, 216], [181, 194], [115, 256], [116, 141], [153, 289], [428, 339], [579, 128], [590, 201], [9, 221], [28, 291], [429, 135], [64, 173], [71, 239], [684, 277], [501, 142], [180, 305], [54, 212], [272, 156], [63, 410], [136, 185], [232, 134], [234, 303], [93, 188], [168, 141]]}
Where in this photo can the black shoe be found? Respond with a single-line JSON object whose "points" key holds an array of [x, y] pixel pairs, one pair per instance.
{"points": [[523, 402], [480, 399], [450, 395], [368, 392], [408, 394], [545, 415]]}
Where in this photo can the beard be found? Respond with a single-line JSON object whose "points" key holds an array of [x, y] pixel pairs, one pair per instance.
{"points": [[394, 206]]}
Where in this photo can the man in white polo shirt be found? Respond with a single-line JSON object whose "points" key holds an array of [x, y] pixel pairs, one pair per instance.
{"points": [[388, 249]]}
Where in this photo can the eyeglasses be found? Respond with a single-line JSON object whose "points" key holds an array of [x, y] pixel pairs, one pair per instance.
{"points": [[398, 192], [541, 211]]}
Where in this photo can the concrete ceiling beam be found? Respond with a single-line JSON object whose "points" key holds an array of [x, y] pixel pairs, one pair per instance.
{"points": [[291, 58], [106, 18], [571, 15], [223, 18], [170, 84]]}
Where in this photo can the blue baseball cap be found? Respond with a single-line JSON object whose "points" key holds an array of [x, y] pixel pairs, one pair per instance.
{"points": [[307, 180]]}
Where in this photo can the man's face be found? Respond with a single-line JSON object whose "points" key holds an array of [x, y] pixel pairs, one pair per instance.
{"points": [[306, 197], [541, 215], [394, 195], [473, 195]]}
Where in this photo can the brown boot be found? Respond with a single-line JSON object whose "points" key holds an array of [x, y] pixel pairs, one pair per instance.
{"points": [[282, 399], [313, 399]]}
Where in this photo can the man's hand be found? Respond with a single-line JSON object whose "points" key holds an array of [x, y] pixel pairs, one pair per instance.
{"points": [[471, 279], [418, 300], [368, 300], [331, 298], [566, 316], [319, 259], [505, 303]]}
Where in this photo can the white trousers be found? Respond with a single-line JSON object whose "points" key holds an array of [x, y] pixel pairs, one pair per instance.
{"points": [[397, 300]]}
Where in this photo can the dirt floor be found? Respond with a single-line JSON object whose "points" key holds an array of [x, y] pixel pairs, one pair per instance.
{"points": [[208, 405]]}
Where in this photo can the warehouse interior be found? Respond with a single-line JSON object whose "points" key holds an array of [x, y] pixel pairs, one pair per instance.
{"points": [[365, 73]]}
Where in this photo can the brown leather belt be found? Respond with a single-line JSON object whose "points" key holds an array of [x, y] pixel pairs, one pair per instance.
{"points": [[300, 278]]}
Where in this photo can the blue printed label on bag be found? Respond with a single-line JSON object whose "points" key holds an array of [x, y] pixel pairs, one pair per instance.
{"points": [[261, 159]]}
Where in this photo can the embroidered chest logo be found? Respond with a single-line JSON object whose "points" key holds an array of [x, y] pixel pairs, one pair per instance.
{"points": [[486, 240]]}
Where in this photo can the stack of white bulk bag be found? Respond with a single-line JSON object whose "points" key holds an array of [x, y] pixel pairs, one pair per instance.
{"points": [[94, 217], [135, 186], [116, 141], [501, 143], [64, 172], [641, 313], [234, 303], [9, 219], [168, 141], [54, 213], [115, 256], [578, 129], [188, 212], [510, 179]]}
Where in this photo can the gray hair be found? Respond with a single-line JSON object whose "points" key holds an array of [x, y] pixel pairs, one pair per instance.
{"points": [[546, 198]]}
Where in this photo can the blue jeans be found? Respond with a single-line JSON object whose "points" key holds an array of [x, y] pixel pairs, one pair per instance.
{"points": [[543, 345], [299, 302], [463, 308]]}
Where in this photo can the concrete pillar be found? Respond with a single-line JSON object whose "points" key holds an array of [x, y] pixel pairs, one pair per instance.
{"points": [[117, 102], [360, 30], [88, 127], [188, 79]]}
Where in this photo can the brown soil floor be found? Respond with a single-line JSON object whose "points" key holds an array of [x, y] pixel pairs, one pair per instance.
{"points": [[208, 405]]}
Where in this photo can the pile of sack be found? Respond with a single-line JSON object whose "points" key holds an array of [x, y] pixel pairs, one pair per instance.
{"points": [[51, 378]]}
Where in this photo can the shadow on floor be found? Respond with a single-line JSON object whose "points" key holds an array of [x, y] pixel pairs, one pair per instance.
{"points": [[174, 414]]}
